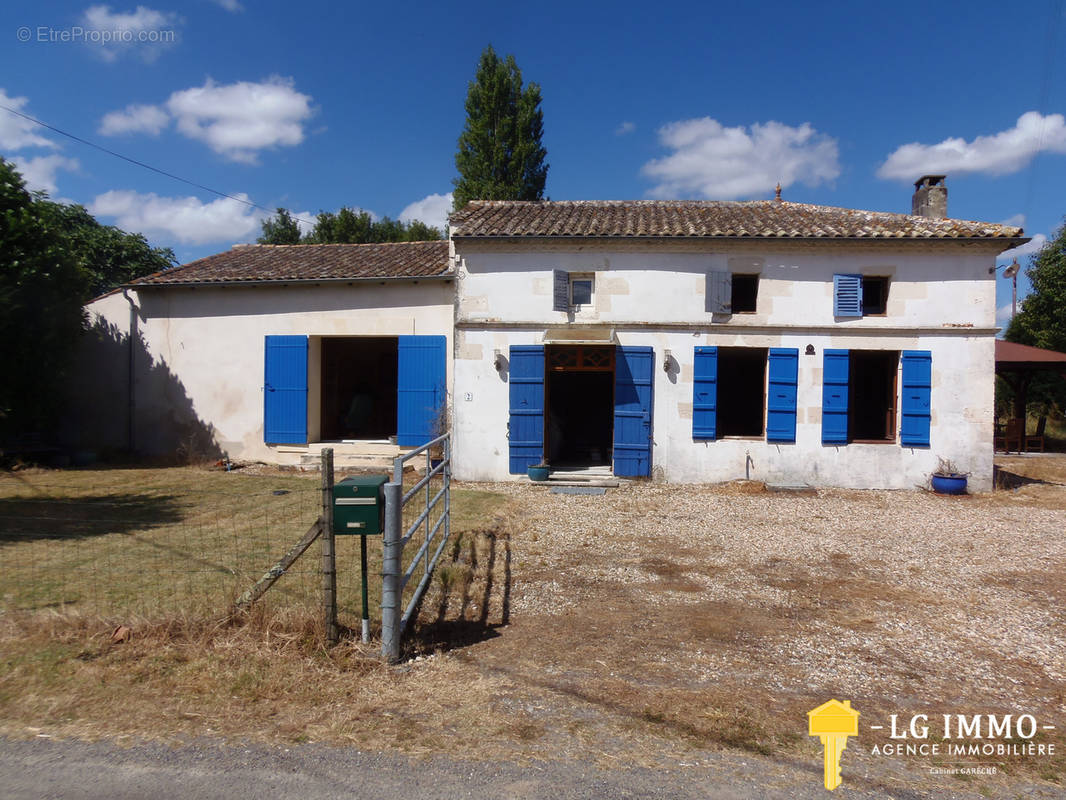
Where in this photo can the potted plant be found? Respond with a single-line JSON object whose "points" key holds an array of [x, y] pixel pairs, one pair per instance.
{"points": [[538, 472], [948, 479]]}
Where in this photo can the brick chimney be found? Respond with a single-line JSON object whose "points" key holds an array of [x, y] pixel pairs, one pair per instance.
{"points": [[930, 197]]}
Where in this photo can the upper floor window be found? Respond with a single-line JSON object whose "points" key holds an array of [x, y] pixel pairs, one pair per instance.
{"points": [[745, 293], [581, 290], [731, 292], [859, 296], [572, 290]]}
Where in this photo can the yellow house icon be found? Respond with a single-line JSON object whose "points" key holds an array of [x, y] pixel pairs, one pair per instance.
{"points": [[833, 718], [833, 722]]}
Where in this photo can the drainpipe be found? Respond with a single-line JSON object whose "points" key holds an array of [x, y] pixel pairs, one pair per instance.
{"points": [[130, 396]]}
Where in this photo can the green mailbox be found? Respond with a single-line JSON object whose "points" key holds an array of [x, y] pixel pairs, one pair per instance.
{"points": [[359, 505]]}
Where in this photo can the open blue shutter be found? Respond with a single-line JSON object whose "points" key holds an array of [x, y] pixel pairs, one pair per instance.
{"points": [[634, 370], [835, 366], [847, 295], [560, 290], [781, 397], [719, 292], [705, 393], [525, 432], [285, 390], [917, 386], [420, 388]]}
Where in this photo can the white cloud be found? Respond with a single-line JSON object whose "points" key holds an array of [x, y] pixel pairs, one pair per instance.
{"points": [[624, 128], [135, 119], [1015, 221], [16, 132], [1003, 316], [1024, 251], [182, 219], [40, 172], [432, 209], [144, 31], [1000, 154], [238, 119], [712, 161], [230, 5]]}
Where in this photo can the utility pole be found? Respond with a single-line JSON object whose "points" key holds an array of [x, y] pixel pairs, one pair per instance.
{"points": [[1012, 272]]}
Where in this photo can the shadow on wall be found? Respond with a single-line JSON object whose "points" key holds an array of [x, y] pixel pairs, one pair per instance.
{"points": [[155, 419]]}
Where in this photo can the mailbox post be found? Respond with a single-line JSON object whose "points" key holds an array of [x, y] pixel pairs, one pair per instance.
{"points": [[359, 510]]}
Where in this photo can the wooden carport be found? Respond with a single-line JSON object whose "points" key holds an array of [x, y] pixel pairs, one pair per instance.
{"points": [[1017, 364]]}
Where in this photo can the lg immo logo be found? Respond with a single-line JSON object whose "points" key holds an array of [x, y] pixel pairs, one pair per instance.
{"points": [[833, 722]]}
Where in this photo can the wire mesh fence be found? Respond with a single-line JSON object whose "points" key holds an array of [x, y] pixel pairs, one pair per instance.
{"points": [[152, 542]]}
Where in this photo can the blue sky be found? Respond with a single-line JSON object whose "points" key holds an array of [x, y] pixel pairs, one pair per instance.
{"points": [[313, 106]]}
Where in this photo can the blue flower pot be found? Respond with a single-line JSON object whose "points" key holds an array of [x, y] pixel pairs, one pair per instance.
{"points": [[949, 484], [537, 473]]}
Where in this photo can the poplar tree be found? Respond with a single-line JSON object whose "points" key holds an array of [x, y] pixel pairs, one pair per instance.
{"points": [[500, 155]]}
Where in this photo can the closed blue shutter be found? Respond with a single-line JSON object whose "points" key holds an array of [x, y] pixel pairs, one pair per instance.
{"points": [[835, 365], [847, 295], [781, 397], [705, 393], [420, 388], [917, 386], [526, 430], [285, 390], [633, 383]]}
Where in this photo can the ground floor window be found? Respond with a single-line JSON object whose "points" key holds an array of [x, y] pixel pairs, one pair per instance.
{"points": [[741, 391], [359, 382], [872, 385]]}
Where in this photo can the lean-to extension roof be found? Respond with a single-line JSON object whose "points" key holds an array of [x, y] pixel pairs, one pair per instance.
{"points": [[267, 263], [760, 219]]}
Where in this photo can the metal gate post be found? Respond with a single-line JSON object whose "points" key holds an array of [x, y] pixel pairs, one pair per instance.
{"points": [[391, 590], [329, 557]]}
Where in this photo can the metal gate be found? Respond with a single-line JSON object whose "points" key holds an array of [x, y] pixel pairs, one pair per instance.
{"points": [[433, 538]]}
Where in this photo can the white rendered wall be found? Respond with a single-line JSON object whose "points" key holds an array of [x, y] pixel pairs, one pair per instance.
{"points": [[939, 301], [199, 369]]}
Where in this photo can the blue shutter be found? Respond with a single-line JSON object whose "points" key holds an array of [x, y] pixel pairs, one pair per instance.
{"points": [[847, 295], [634, 369], [835, 366], [560, 290], [285, 390], [781, 397], [917, 385], [420, 392], [705, 393], [719, 292], [525, 432]]}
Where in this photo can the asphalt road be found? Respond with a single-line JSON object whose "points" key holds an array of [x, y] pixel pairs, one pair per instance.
{"points": [[45, 768]]}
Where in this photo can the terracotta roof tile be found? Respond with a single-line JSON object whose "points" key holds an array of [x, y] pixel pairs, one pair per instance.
{"points": [[310, 262], [761, 219]]}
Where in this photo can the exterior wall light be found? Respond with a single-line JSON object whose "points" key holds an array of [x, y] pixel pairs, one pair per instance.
{"points": [[497, 360]]}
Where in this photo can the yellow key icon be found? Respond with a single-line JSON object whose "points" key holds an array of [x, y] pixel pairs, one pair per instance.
{"points": [[833, 722]]}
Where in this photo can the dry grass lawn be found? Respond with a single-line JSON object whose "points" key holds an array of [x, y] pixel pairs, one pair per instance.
{"points": [[643, 626]]}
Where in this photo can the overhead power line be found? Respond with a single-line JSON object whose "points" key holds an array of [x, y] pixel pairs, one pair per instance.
{"points": [[134, 161]]}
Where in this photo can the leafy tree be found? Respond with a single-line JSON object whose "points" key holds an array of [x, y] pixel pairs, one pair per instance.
{"points": [[347, 226], [500, 155], [282, 228], [108, 256], [42, 289], [53, 259], [1041, 321]]}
